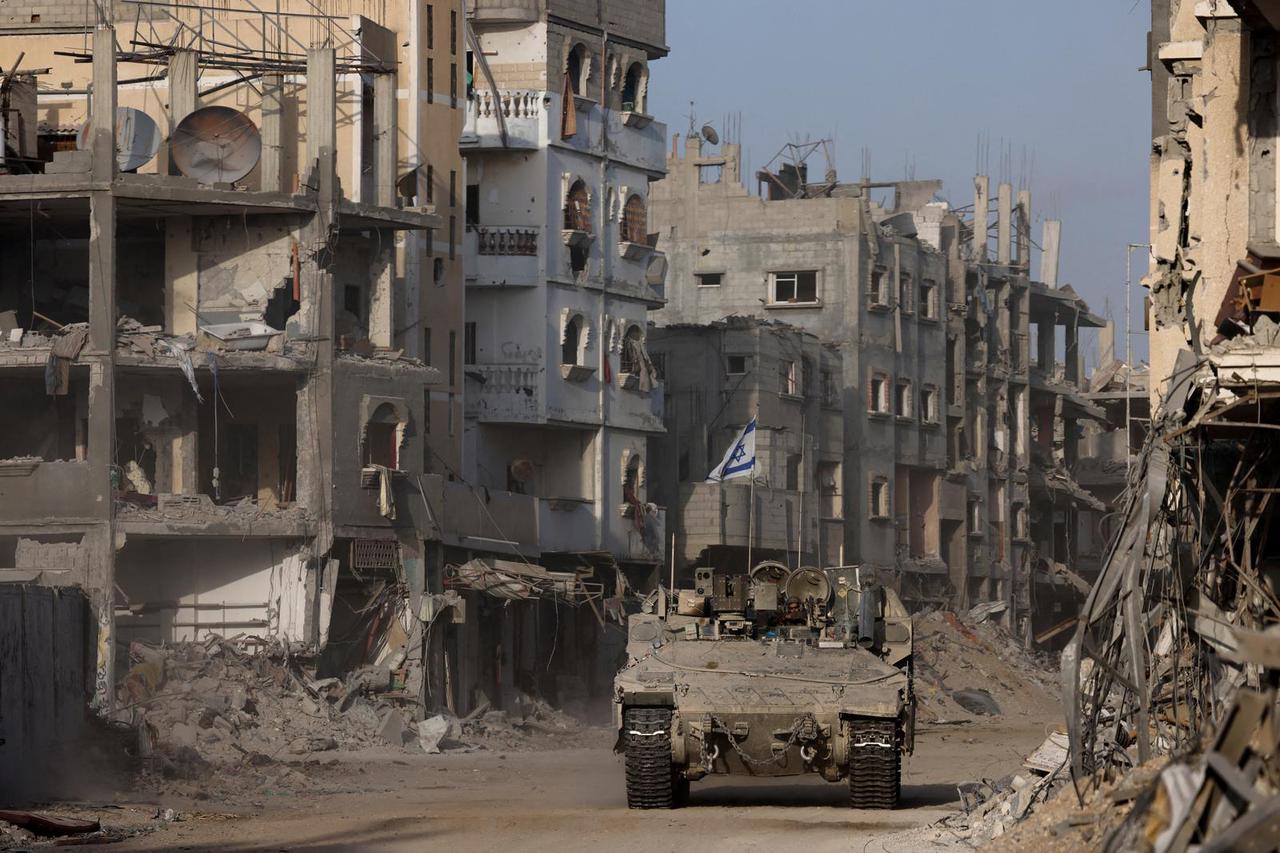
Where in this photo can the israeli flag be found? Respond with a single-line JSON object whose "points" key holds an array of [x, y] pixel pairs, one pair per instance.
{"points": [[740, 461]]}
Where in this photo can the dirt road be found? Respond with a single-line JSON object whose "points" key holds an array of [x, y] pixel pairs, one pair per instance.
{"points": [[567, 800]]}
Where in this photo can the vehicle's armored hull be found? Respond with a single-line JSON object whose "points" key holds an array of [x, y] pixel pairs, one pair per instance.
{"points": [[768, 703]]}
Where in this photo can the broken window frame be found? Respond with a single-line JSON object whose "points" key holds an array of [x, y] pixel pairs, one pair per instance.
{"points": [[878, 287], [906, 293], [577, 207], [929, 412], [929, 299], [879, 505], [626, 362], [878, 399], [637, 84], [577, 67], [793, 280], [635, 220], [787, 384], [903, 400]]}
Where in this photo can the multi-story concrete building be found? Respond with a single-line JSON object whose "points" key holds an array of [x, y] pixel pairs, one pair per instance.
{"points": [[236, 434], [956, 455], [717, 378], [561, 271]]}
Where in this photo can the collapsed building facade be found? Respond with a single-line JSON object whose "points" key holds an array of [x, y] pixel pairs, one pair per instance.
{"points": [[234, 397], [958, 374], [561, 272], [1174, 664]]}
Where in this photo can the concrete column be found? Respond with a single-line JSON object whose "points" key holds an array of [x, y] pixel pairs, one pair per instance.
{"points": [[315, 410], [182, 92], [1071, 354], [272, 121], [1024, 229], [100, 352], [102, 106], [1044, 345], [1050, 245], [981, 219], [382, 293], [322, 117], [1004, 218], [384, 132], [1107, 344]]}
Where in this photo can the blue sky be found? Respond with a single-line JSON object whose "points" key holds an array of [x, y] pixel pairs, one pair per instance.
{"points": [[919, 82]]}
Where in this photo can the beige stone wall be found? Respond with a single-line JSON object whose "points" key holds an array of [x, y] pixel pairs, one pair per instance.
{"points": [[1200, 185]]}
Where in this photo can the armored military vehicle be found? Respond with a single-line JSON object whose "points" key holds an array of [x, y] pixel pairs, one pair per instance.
{"points": [[775, 673]]}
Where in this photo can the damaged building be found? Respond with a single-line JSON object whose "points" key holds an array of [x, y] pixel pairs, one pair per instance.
{"points": [[561, 272], [958, 374], [728, 373], [232, 347], [1174, 665]]}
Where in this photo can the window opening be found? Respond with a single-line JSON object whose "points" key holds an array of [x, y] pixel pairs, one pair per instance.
{"points": [[570, 345], [577, 208], [632, 89], [635, 225], [795, 287]]}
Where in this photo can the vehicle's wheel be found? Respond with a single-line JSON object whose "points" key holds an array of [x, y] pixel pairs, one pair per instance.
{"points": [[875, 764], [650, 776]]}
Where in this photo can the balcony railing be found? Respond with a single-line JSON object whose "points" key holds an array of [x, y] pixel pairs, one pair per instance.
{"points": [[506, 241], [505, 255], [520, 112]]}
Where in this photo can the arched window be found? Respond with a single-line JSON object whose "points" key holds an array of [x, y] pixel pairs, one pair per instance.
{"points": [[633, 89], [635, 221], [381, 437], [571, 343], [577, 208], [576, 67], [631, 356]]}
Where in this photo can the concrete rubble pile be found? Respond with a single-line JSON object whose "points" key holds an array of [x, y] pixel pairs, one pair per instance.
{"points": [[197, 705], [221, 704], [969, 667]]}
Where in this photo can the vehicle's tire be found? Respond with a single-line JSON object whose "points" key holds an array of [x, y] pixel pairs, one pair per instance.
{"points": [[875, 764], [651, 782]]}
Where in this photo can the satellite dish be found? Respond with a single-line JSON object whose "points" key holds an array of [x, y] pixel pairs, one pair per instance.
{"points": [[709, 134], [216, 145], [137, 138]]}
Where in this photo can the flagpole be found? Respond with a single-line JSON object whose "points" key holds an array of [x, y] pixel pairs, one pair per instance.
{"points": [[751, 517]]}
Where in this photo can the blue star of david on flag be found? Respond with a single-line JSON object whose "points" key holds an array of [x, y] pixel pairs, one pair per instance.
{"points": [[740, 460]]}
